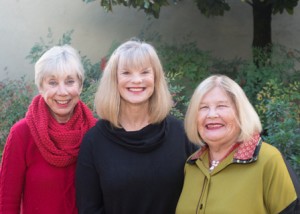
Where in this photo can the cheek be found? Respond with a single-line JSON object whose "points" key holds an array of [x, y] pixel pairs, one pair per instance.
{"points": [[76, 91], [201, 117], [200, 122], [46, 93]]}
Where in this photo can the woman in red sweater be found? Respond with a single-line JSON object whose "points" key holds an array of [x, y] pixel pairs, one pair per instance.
{"points": [[38, 163]]}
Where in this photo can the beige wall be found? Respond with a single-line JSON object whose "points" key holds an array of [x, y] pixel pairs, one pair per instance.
{"points": [[23, 22]]}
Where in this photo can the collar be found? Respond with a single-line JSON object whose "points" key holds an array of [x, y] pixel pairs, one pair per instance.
{"points": [[246, 152]]}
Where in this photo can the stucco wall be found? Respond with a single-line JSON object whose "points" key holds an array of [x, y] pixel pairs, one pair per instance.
{"points": [[24, 22]]}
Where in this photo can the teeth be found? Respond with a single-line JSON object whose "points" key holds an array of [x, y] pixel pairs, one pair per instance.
{"points": [[214, 125], [62, 102], [136, 89]]}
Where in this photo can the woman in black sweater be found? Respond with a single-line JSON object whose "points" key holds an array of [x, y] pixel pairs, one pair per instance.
{"points": [[132, 161]]}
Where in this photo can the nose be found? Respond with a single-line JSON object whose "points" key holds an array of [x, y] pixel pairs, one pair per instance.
{"points": [[62, 89], [212, 113], [137, 78]]}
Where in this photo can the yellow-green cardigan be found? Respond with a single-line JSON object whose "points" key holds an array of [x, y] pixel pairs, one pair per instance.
{"points": [[256, 183]]}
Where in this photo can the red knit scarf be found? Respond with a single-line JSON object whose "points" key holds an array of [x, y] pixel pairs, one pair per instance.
{"points": [[58, 143]]}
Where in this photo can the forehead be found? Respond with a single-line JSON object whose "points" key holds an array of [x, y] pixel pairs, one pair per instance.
{"points": [[216, 94]]}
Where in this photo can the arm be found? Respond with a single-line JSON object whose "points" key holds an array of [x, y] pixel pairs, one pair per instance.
{"points": [[280, 187], [13, 169], [294, 207], [88, 191]]}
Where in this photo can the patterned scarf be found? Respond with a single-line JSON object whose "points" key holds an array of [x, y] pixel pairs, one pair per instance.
{"points": [[58, 143]]}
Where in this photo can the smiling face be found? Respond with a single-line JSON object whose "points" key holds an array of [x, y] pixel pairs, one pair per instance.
{"points": [[135, 84], [217, 118], [61, 93]]}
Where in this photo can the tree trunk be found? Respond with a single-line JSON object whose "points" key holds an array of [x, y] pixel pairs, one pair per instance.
{"points": [[262, 41]]}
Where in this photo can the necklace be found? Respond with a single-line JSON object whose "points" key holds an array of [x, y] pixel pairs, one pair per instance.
{"points": [[215, 163]]}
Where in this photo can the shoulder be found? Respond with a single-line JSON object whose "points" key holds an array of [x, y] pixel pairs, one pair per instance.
{"points": [[172, 120], [268, 151], [94, 133], [20, 128], [19, 136], [271, 159]]}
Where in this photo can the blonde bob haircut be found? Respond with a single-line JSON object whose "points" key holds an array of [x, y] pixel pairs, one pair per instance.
{"points": [[134, 55], [57, 61], [246, 117]]}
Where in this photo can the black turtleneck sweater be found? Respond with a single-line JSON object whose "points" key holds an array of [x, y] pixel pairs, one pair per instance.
{"points": [[136, 172]]}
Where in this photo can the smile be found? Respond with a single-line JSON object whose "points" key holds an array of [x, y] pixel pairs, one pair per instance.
{"points": [[136, 89], [62, 102], [213, 126]]}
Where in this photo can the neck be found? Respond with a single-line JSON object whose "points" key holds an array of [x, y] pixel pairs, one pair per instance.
{"points": [[134, 118], [218, 154]]}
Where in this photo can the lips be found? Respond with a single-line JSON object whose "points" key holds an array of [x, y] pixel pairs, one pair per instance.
{"points": [[136, 89], [214, 125], [62, 102]]}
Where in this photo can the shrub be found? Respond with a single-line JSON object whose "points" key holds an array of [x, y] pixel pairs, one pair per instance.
{"points": [[15, 97], [186, 59], [279, 110], [281, 67]]}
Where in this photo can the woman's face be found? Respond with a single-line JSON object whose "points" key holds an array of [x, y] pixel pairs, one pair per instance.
{"points": [[136, 86], [61, 93], [217, 118]]}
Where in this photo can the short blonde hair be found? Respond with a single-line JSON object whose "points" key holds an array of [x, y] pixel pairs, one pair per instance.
{"points": [[58, 60], [247, 117], [134, 54]]}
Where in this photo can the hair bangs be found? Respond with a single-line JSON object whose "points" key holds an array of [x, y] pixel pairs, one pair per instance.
{"points": [[135, 58]]}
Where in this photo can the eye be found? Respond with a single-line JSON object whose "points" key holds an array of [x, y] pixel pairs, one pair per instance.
{"points": [[125, 72], [203, 107], [70, 82], [52, 82], [146, 72]]}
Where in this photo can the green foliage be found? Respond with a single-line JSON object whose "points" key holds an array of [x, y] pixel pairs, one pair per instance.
{"points": [[279, 6], [206, 7], [279, 110], [189, 63], [15, 96], [40, 47], [212, 7], [150, 7], [180, 102], [281, 66]]}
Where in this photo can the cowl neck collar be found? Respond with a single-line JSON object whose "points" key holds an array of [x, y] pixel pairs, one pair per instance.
{"points": [[144, 140]]}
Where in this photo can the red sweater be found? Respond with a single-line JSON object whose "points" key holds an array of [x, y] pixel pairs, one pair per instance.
{"points": [[29, 183]]}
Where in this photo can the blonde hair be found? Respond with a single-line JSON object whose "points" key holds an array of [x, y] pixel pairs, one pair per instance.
{"points": [[247, 117], [58, 60], [134, 54]]}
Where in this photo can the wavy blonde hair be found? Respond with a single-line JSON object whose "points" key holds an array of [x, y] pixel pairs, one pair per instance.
{"points": [[247, 117]]}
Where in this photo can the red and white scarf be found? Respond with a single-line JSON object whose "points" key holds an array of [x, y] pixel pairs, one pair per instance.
{"points": [[58, 143]]}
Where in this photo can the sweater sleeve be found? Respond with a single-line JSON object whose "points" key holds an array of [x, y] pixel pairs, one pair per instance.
{"points": [[13, 169], [88, 191]]}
